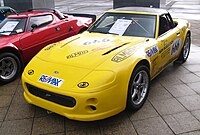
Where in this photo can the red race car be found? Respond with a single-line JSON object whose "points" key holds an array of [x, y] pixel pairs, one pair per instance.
{"points": [[23, 35]]}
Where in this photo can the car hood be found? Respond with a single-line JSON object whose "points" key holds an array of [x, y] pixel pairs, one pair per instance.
{"points": [[87, 50], [74, 62]]}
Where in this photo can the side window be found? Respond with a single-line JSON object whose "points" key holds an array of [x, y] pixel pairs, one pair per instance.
{"points": [[40, 21], [164, 24], [171, 23]]}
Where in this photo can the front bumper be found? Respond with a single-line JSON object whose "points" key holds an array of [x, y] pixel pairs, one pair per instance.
{"points": [[88, 106]]}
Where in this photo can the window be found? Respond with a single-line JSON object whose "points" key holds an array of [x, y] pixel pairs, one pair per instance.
{"points": [[11, 26], [124, 24], [40, 21], [166, 23]]}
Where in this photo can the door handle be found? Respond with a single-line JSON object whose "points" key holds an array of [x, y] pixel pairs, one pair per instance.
{"points": [[178, 33], [58, 28]]}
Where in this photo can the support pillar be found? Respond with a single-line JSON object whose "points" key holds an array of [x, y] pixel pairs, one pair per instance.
{"points": [[24, 5], [136, 3]]}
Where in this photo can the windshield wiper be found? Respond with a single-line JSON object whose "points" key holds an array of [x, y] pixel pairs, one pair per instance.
{"points": [[98, 32], [5, 31], [140, 26]]}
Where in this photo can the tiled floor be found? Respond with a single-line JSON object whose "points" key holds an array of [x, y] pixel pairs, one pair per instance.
{"points": [[173, 107]]}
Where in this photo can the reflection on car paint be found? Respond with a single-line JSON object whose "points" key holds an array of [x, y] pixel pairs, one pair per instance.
{"points": [[103, 47], [69, 42]]}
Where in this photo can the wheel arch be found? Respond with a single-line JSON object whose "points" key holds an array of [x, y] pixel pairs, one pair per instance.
{"points": [[142, 62], [188, 32], [180, 57], [139, 63], [12, 50]]}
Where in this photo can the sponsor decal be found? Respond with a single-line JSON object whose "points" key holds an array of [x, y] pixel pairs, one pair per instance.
{"points": [[83, 84], [165, 47], [152, 51], [53, 81], [175, 46], [76, 54], [49, 47], [154, 65], [97, 41], [165, 51], [31, 72], [123, 54]]}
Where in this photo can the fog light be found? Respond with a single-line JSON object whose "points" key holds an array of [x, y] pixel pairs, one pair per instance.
{"points": [[91, 108]]}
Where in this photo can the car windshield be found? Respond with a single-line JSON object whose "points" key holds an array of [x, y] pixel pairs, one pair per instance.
{"points": [[124, 24], [11, 26]]}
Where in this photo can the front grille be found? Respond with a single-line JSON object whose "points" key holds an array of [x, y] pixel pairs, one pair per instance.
{"points": [[50, 96]]}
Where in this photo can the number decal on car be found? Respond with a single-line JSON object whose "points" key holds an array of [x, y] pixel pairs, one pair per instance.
{"points": [[175, 46]]}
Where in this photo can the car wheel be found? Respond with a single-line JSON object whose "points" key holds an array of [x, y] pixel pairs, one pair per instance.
{"points": [[185, 50], [10, 67], [138, 87]]}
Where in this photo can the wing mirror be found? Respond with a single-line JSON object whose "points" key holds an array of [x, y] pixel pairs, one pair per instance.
{"points": [[33, 26]]}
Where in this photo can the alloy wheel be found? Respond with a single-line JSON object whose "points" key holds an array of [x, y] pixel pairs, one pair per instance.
{"points": [[8, 67]]}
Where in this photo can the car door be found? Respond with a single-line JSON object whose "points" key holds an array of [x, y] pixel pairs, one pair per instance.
{"points": [[64, 30], [40, 32], [169, 40]]}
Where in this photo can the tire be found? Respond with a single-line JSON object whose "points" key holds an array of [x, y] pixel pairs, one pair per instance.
{"points": [[10, 67], [185, 50], [138, 87]]}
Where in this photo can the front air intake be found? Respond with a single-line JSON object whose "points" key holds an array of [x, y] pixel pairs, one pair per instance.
{"points": [[50, 96]]}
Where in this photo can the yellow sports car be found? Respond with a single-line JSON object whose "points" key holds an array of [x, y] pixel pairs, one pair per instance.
{"points": [[108, 68]]}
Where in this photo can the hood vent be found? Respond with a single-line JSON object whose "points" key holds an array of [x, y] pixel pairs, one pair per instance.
{"points": [[115, 48]]}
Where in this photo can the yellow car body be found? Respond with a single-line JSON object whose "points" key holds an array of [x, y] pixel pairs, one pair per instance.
{"points": [[87, 77]]}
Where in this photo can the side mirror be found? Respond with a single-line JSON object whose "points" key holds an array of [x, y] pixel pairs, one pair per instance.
{"points": [[33, 26]]}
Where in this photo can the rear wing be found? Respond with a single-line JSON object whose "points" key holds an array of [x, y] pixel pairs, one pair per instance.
{"points": [[57, 12], [82, 15], [62, 15]]}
